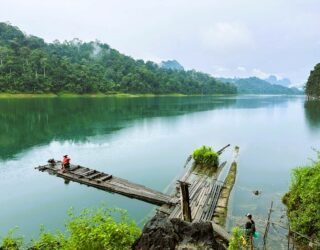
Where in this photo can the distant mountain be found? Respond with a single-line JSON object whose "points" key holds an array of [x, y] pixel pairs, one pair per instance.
{"points": [[254, 85], [171, 64], [274, 80]]}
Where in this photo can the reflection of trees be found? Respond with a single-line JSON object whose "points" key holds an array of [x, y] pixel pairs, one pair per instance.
{"points": [[253, 102], [28, 122], [312, 113]]}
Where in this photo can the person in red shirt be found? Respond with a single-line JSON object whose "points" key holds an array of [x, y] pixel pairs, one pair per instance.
{"points": [[65, 162]]}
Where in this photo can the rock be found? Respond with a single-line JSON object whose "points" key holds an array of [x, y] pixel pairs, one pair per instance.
{"points": [[164, 233]]}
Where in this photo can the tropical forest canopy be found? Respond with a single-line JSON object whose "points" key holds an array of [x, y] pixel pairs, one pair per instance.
{"points": [[313, 83], [30, 65]]}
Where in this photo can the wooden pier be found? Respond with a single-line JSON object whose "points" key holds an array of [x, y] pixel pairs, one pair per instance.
{"points": [[199, 186], [107, 182]]}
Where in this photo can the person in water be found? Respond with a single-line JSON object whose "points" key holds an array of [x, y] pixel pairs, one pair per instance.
{"points": [[250, 228], [65, 162]]}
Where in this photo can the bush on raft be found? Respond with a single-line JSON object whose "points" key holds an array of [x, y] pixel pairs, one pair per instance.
{"points": [[206, 156]]}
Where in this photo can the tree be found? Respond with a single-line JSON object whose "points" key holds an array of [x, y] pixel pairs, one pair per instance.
{"points": [[312, 87], [28, 64], [302, 200]]}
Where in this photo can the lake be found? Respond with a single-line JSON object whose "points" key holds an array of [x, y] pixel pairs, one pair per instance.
{"points": [[146, 140]]}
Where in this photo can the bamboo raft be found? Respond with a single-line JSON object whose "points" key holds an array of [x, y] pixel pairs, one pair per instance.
{"points": [[107, 182], [204, 193], [204, 190], [204, 196]]}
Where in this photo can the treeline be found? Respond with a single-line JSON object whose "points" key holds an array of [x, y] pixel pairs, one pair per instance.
{"points": [[312, 87], [30, 65]]}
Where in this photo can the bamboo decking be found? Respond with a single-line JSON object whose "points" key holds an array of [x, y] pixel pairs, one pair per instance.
{"points": [[204, 193], [107, 182], [204, 189]]}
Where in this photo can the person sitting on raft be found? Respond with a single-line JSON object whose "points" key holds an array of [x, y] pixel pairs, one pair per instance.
{"points": [[65, 162]]}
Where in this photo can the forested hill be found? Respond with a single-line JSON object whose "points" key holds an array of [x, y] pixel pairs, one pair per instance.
{"points": [[28, 64], [313, 83], [254, 85]]}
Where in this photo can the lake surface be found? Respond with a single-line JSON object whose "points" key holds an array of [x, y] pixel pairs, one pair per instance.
{"points": [[146, 140]]}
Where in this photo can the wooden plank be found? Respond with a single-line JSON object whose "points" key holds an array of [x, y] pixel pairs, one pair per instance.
{"points": [[104, 178], [91, 171], [98, 174], [117, 185]]}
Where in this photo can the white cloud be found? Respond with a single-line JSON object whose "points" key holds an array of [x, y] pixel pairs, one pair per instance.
{"points": [[243, 72], [259, 73], [227, 37], [241, 69]]}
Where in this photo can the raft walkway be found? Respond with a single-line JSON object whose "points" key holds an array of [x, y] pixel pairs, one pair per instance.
{"points": [[107, 182], [204, 189]]}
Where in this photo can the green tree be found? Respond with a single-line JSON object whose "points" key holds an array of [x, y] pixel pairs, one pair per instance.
{"points": [[312, 87], [302, 200]]}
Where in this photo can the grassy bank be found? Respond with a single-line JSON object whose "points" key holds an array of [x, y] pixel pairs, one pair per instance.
{"points": [[72, 95]]}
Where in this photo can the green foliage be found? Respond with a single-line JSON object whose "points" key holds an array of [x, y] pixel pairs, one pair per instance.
{"points": [[312, 87], [205, 156], [302, 199], [11, 242], [99, 230], [237, 240], [91, 229], [29, 65]]}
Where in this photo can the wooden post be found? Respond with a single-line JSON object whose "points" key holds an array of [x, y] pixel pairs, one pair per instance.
{"points": [[185, 203], [267, 228], [289, 236]]}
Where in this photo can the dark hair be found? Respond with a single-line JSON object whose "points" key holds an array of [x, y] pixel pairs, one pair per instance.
{"points": [[249, 216]]}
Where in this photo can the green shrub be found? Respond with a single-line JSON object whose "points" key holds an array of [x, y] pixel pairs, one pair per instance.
{"points": [[91, 229], [49, 241], [99, 230], [10, 242], [237, 240], [302, 200], [205, 156]]}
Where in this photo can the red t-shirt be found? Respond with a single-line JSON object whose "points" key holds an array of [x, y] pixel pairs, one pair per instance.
{"points": [[66, 160]]}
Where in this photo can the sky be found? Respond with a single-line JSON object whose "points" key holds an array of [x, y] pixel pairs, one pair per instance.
{"points": [[229, 38]]}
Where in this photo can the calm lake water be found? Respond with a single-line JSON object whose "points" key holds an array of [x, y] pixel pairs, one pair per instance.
{"points": [[146, 140]]}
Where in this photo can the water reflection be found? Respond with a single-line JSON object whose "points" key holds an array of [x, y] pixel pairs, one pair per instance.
{"points": [[25, 123], [28, 122], [312, 114]]}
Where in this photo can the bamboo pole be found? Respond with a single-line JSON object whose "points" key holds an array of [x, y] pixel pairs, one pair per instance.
{"points": [[267, 228]]}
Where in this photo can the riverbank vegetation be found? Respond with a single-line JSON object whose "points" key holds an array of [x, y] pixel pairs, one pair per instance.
{"points": [[206, 156], [312, 87], [30, 65], [91, 229], [302, 200]]}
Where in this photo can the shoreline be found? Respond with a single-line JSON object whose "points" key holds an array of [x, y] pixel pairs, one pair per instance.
{"points": [[94, 95], [102, 95]]}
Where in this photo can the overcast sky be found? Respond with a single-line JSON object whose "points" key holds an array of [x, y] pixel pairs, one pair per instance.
{"points": [[220, 37]]}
